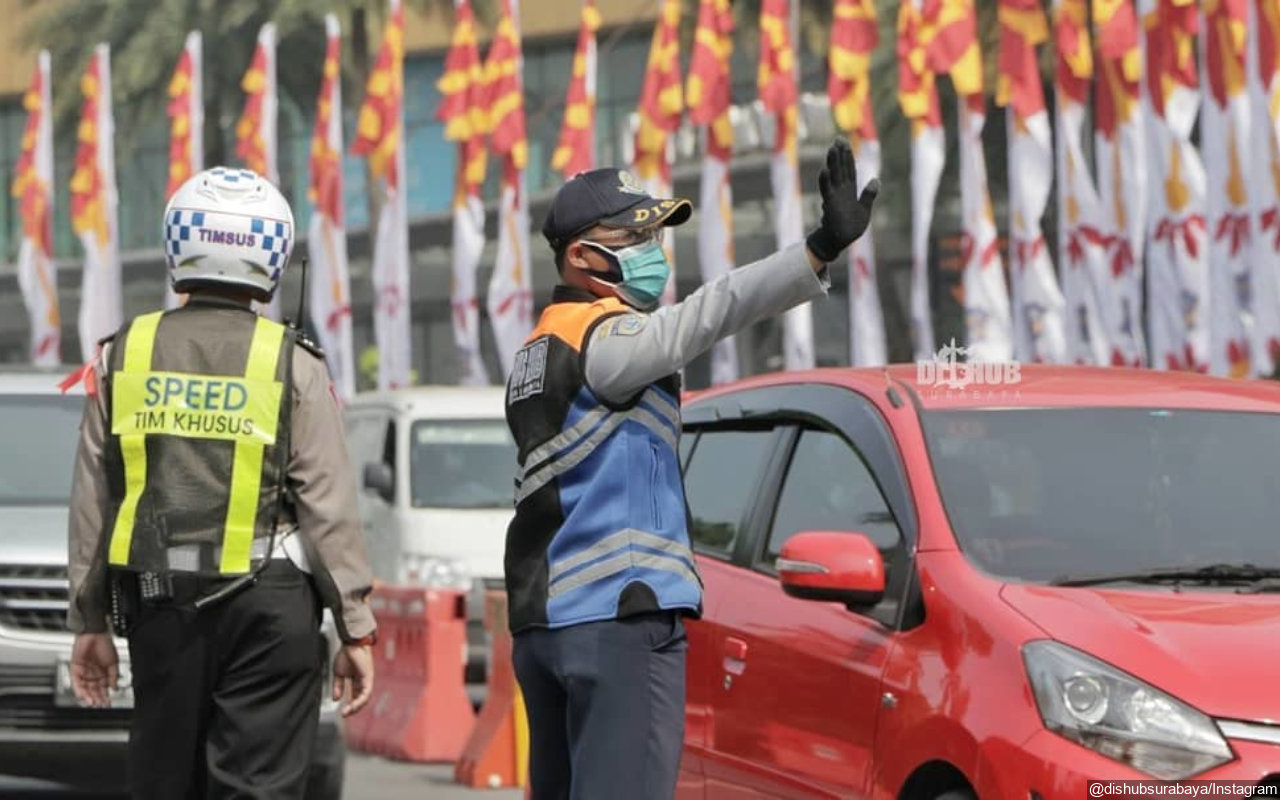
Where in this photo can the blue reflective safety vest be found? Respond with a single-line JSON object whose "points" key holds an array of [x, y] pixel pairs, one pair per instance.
{"points": [[601, 527]]}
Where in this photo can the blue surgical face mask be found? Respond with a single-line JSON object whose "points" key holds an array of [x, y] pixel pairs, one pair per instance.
{"points": [[645, 272]]}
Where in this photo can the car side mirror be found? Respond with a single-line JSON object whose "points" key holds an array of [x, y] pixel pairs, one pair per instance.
{"points": [[832, 566], [379, 478]]}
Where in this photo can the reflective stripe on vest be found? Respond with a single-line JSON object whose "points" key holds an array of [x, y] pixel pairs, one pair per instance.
{"points": [[626, 549], [245, 411], [569, 448]]}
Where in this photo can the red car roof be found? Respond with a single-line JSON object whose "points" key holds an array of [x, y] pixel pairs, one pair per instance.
{"points": [[1036, 385]]}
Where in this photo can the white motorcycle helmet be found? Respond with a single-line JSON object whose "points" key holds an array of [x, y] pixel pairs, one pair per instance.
{"points": [[228, 227]]}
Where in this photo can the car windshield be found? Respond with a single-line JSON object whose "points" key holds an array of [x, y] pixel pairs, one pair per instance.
{"points": [[1039, 494], [38, 435], [462, 464]]}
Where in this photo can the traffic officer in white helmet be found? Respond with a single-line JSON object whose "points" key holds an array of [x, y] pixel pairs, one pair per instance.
{"points": [[213, 513], [599, 566]]}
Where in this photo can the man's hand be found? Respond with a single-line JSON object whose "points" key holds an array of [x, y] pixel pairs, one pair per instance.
{"points": [[353, 677], [845, 214], [94, 668]]}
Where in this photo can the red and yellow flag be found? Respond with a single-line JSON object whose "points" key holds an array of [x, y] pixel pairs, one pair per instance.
{"points": [[256, 129], [1268, 21], [1074, 64], [709, 85], [1172, 28], [1119, 63], [1226, 39], [504, 94], [30, 186], [661, 98], [951, 36], [575, 151], [917, 92], [378, 129], [853, 37], [186, 117], [88, 196], [325, 190], [463, 106], [1023, 27], [33, 187], [776, 77]]}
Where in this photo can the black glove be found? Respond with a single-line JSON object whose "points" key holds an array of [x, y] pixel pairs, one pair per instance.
{"points": [[845, 215]]}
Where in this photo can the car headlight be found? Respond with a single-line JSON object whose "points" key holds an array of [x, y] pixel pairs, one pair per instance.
{"points": [[436, 572], [1096, 705]]}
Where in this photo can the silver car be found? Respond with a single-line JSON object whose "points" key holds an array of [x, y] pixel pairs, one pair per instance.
{"points": [[42, 727]]}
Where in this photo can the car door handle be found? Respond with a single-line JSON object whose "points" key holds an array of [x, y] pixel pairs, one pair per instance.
{"points": [[735, 656]]}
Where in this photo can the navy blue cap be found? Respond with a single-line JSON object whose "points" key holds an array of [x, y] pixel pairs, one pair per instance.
{"points": [[609, 197]]}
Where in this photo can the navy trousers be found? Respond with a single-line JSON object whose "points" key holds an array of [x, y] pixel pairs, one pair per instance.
{"points": [[606, 707]]}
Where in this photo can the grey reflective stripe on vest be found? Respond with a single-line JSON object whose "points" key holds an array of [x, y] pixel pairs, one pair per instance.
{"points": [[569, 450], [565, 438], [674, 557], [664, 406]]}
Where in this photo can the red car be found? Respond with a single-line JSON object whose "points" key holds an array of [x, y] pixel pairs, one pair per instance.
{"points": [[921, 586]]}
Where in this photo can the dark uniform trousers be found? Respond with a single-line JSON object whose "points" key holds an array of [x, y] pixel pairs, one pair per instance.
{"points": [[226, 699], [617, 689]]}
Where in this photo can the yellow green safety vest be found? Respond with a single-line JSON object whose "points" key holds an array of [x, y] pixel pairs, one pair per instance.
{"points": [[198, 439]]}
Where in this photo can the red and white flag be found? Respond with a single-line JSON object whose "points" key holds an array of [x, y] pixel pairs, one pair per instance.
{"points": [[576, 150], [1264, 179], [380, 138], [853, 38], [186, 128], [1082, 245], [510, 301], [94, 206], [329, 285], [256, 131], [918, 97], [708, 95], [33, 188], [779, 90], [1039, 310], [1120, 142], [1178, 252], [953, 49], [462, 109], [660, 108], [1225, 142]]}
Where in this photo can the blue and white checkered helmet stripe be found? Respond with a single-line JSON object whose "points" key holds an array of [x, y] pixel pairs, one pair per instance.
{"points": [[228, 225]]}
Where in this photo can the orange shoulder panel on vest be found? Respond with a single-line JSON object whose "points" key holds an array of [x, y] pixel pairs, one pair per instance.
{"points": [[570, 322]]}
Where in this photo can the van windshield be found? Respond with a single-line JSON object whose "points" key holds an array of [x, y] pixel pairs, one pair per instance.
{"points": [[462, 464], [1038, 494], [38, 435]]}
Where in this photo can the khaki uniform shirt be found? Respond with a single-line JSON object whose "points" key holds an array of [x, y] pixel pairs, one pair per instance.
{"points": [[323, 494]]}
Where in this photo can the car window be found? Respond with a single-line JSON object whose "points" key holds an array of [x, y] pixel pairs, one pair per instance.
{"points": [[365, 438], [686, 448], [1038, 494], [38, 436], [461, 464], [829, 488], [720, 483]]}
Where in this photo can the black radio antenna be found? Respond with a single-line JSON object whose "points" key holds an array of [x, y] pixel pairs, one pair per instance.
{"points": [[302, 297]]}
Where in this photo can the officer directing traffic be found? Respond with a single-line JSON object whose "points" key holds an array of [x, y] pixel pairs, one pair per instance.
{"points": [[599, 567], [211, 478]]}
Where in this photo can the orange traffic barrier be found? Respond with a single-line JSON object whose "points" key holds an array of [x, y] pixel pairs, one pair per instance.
{"points": [[419, 710], [497, 754]]}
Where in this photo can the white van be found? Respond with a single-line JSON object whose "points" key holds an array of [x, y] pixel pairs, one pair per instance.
{"points": [[436, 466]]}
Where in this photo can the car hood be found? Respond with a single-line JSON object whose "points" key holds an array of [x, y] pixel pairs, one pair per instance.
{"points": [[476, 537], [33, 534], [1211, 649]]}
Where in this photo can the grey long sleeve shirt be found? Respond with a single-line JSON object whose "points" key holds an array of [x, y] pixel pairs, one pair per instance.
{"points": [[631, 351]]}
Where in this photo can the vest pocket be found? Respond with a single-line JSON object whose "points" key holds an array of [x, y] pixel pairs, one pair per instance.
{"points": [[655, 485]]}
